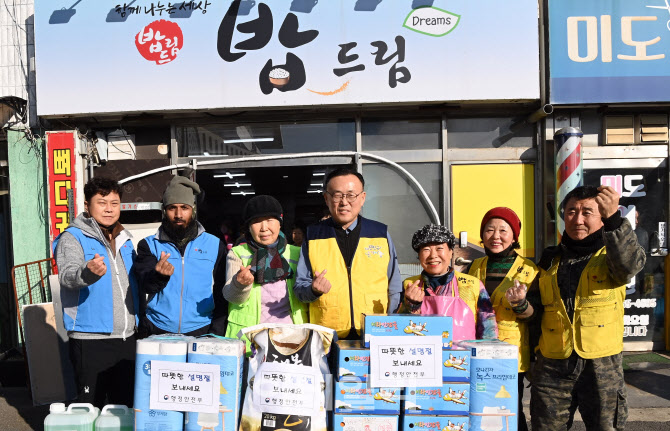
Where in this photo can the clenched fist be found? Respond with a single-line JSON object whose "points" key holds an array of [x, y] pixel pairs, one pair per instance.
{"points": [[414, 291], [97, 265], [608, 201], [163, 267], [320, 283], [244, 276]]}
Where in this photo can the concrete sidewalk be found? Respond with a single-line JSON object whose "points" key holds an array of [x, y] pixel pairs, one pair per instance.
{"points": [[648, 401]]}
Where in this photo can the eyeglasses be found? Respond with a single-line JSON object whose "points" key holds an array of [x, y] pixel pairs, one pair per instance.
{"points": [[338, 196]]}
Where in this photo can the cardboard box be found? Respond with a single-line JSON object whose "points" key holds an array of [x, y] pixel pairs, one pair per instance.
{"points": [[382, 325], [353, 361], [456, 365], [451, 399], [493, 384], [365, 423], [435, 423], [357, 397]]}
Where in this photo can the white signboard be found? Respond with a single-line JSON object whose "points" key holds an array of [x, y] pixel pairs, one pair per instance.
{"points": [[280, 387], [184, 387], [406, 362], [159, 56]]}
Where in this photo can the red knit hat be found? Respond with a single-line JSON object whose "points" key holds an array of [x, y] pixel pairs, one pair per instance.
{"points": [[502, 213]]}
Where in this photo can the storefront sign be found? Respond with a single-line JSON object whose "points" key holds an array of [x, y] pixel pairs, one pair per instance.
{"points": [[609, 51], [61, 159], [405, 362], [180, 386], [228, 54]]}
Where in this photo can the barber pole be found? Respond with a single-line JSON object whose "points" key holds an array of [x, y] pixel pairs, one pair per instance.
{"points": [[569, 169]]}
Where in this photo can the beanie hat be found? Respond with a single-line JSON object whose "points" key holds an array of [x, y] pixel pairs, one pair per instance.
{"points": [[502, 213], [433, 233], [262, 206], [181, 190]]}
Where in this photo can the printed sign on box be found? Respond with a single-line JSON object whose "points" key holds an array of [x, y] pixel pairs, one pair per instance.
{"points": [[397, 361], [283, 386], [409, 325], [185, 387]]}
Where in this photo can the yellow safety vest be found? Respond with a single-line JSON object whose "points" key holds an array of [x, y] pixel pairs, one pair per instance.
{"points": [[468, 289], [596, 329], [363, 289], [241, 316], [509, 329]]}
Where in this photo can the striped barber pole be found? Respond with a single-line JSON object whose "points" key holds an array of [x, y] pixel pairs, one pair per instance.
{"points": [[569, 169]]}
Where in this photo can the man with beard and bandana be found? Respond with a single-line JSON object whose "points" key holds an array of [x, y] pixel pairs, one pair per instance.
{"points": [[580, 299], [182, 269]]}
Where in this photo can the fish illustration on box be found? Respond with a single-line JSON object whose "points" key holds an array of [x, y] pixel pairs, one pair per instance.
{"points": [[450, 399], [455, 362]]}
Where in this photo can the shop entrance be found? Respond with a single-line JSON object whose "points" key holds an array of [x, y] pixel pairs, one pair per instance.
{"points": [[299, 189]]}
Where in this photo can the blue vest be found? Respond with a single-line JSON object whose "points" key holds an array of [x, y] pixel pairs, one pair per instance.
{"points": [[187, 302], [93, 311]]}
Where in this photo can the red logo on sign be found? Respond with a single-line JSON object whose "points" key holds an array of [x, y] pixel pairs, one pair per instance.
{"points": [[160, 41]]}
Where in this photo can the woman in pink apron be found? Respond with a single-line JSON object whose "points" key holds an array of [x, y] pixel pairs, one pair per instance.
{"points": [[441, 290]]}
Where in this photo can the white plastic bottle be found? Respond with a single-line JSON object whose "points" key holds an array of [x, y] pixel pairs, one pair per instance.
{"points": [[77, 417], [115, 417]]}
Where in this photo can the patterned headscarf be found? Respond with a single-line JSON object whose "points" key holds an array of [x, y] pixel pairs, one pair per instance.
{"points": [[268, 263], [433, 233]]}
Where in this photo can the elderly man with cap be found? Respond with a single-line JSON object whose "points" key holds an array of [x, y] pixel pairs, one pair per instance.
{"points": [[261, 272], [181, 268]]}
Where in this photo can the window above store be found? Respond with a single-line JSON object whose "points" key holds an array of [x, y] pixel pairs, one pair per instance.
{"points": [[384, 135], [496, 132], [266, 138]]}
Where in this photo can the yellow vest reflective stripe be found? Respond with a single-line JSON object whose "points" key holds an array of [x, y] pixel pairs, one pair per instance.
{"points": [[597, 327], [509, 330], [468, 289], [367, 282], [249, 313]]}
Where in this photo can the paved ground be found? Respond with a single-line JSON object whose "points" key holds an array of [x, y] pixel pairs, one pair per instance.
{"points": [[648, 401]]}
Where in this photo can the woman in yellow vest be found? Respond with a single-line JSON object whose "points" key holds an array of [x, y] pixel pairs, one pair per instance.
{"points": [[501, 269], [261, 271], [434, 245]]}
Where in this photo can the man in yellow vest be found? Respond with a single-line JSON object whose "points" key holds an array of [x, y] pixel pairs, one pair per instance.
{"points": [[348, 264], [579, 357]]}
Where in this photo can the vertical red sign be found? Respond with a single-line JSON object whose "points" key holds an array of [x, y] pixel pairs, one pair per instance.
{"points": [[60, 178]]}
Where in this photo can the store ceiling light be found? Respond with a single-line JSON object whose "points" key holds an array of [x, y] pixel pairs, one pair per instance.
{"points": [[243, 193], [318, 174], [316, 184], [228, 175], [241, 141], [314, 191], [237, 184]]}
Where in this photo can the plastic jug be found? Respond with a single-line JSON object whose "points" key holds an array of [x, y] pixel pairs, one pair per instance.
{"points": [[77, 417], [115, 417]]}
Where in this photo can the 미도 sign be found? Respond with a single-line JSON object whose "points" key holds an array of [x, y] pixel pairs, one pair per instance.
{"points": [[185, 387], [609, 51], [399, 361]]}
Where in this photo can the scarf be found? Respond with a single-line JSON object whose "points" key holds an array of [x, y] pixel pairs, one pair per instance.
{"points": [[437, 282], [583, 247], [267, 263]]}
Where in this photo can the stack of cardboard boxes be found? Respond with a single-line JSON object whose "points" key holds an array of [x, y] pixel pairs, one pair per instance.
{"points": [[479, 389]]}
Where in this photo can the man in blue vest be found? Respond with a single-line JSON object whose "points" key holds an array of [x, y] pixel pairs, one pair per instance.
{"points": [[348, 264], [182, 269], [100, 297]]}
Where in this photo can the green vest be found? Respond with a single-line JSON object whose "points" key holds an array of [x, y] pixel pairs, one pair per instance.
{"points": [[241, 316]]}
